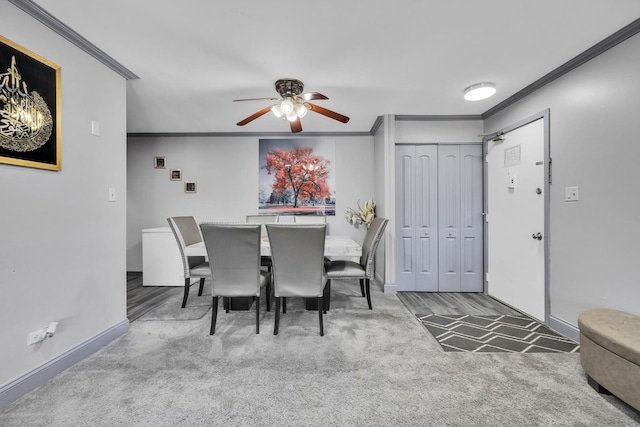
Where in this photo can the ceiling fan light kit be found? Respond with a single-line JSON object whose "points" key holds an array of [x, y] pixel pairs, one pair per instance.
{"points": [[479, 91], [293, 105], [287, 106], [289, 109], [276, 110], [301, 110]]}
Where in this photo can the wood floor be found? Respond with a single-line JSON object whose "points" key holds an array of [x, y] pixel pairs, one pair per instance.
{"points": [[444, 303], [141, 299]]}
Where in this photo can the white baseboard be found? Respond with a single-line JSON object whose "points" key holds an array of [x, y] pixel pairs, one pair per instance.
{"points": [[17, 388], [390, 288], [565, 329], [387, 288]]}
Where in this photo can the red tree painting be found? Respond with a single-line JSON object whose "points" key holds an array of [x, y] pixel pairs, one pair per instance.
{"points": [[301, 171]]}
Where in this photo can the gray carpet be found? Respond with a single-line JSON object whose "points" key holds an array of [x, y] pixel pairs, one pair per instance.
{"points": [[495, 334], [372, 368]]}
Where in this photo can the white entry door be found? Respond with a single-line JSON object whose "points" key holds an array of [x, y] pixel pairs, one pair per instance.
{"points": [[439, 233], [516, 210]]}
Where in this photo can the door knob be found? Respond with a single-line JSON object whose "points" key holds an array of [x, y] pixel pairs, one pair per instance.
{"points": [[537, 236]]}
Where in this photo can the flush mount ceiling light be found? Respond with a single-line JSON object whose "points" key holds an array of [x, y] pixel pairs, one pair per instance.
{"points": [[479, 91]]}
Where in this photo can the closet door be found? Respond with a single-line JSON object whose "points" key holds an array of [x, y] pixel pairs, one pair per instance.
{"points": [[416, 218], [439, 235], [460, 218]]}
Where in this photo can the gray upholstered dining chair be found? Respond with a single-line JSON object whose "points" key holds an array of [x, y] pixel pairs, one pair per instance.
{"points": [[298, 264], [311, 219], [265, 261], [364, 270], [186, 231], [234, 257], [262, 219]]}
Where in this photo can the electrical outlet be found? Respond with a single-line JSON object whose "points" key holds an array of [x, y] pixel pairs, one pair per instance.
{"points": [[36, 336]]}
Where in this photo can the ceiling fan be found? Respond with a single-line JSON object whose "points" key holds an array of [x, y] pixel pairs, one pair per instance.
{"points": [[292, 105]]}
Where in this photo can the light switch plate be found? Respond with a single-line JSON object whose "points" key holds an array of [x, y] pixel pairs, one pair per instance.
{"points": [[95, 128], [112, 194], [571, 194]]}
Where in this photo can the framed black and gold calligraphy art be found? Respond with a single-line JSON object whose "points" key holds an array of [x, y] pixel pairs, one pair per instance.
{"points": [[30, 129]]}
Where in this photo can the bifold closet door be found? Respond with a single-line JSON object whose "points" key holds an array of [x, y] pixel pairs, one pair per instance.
{"points": [[439, 235], [417, 218], [460, 252]]}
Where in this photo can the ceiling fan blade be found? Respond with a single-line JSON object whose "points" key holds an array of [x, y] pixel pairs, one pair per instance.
{"points": [[296, 126], [254, 116], [310, 96], [331, 114], [258, 99]]}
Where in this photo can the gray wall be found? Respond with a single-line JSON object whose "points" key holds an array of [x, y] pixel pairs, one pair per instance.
{"points": [[226, 171], [61, 256], [594, 145]]}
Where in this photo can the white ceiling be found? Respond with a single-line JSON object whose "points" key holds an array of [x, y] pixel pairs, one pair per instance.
{"points": [[370, 57]]}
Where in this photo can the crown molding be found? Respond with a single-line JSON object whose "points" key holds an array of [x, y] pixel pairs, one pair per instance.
{"points": [[376, 125], [57, 26], [437, 118], [595, 50]]}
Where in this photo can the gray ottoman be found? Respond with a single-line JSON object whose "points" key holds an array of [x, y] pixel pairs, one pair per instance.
{"points": [[610, 352]]}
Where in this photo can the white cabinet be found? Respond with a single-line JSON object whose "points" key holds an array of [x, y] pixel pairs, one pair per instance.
{"points": [[161, 261]]}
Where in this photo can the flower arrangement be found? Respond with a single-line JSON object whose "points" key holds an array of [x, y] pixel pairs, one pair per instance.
{"points": [[362, 215]]}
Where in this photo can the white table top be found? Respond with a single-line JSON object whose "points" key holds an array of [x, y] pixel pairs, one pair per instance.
{"points": [[334, 246], [156, 230]]}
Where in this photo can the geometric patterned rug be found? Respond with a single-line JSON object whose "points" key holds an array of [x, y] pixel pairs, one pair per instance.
{"points": [[492, 334]]}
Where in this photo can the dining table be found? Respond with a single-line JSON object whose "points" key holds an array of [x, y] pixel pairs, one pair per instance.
{"points": [[335, 246]]}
